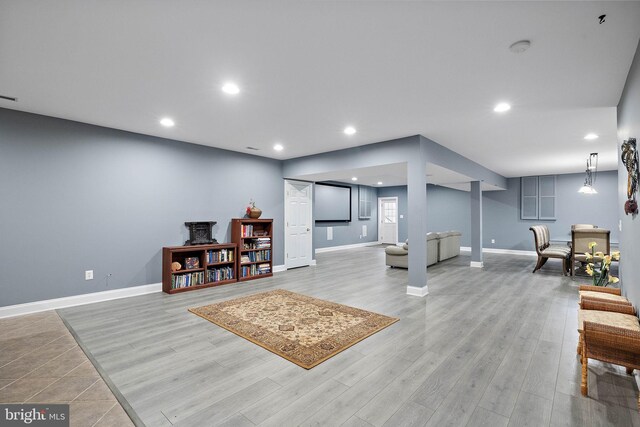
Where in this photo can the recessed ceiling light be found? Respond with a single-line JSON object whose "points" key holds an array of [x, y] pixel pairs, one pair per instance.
{"points": [[349, 130], [355, 178], [231, 88], [520, 46], [590, 136], [167, 122], [379, 182], [278, 147], [502, 107]]}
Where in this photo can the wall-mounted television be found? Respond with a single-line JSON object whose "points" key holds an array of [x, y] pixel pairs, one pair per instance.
{"points": [[332, 203]]}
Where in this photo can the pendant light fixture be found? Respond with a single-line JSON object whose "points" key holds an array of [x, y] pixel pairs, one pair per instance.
{"points": [[590, 175]]}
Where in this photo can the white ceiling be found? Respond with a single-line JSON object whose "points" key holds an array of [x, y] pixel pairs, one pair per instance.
{"points": [[396, 174], [308, 69]]}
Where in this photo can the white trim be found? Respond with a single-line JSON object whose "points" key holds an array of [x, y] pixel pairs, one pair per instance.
{"points": [[279, 268], [417, 292], [52, 304], [509, 252], [476, 264], [313, 263], [501, 251], [339, 248]]}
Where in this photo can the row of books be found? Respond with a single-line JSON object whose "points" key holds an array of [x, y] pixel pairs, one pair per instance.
{"points": [[255, 269], [222, 255], [185, 280], [264, 255], [259, 243], [219, 274], [248, 231]]}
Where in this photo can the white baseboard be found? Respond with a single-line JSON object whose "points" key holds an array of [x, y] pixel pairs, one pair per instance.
{"points": [[339, 248], [52, 304], [509, 252], [476, 264], [417, 292], [279, 268], [501, 251]]}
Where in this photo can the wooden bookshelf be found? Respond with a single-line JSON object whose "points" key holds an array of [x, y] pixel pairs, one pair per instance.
{"points": [[216, 266], [254, 238]]}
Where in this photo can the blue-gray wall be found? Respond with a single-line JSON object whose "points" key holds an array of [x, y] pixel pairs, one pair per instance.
{"points": [[449, 209], [78, 197], [501, 211], [348, 233], [629, 126]]}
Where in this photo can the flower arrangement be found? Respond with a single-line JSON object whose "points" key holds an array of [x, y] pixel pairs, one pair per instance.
{"points": [[252, 205], [600, 273]]}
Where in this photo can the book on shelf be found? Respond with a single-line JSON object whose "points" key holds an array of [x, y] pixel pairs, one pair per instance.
{"points": [[221, 255], [186, 280]]}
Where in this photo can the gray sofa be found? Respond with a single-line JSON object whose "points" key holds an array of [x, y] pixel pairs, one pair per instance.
{"points": [[397, 256]]}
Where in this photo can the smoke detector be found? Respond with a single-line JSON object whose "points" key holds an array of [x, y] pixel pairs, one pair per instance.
{"points": [[520, 46]]}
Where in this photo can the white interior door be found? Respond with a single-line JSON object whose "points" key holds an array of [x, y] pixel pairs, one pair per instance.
{"points": [[297, 215], [388, 220]]}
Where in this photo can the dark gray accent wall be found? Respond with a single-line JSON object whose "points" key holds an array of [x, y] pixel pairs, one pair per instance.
{"points": [[629, 127], [347, 233], [447, 209], [78, 197], [502, 211]]}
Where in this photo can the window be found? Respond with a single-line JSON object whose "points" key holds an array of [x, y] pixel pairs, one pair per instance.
{"points": [[538, 197]]}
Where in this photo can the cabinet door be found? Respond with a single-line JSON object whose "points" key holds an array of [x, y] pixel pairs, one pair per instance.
{"points": [[529, 197], [547, 202], [365, 199]]}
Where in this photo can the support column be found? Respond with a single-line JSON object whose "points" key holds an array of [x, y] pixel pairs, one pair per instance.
{"points": [[476, 224], [417, 210]]}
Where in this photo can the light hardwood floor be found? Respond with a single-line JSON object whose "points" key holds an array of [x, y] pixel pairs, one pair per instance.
{"points": [[493, 347]]}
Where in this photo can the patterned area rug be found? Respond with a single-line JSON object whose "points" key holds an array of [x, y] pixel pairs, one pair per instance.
{"points": [[305, 330]]}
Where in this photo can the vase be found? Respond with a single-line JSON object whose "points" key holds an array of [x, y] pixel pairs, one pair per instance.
{"points": [[254, 213]]}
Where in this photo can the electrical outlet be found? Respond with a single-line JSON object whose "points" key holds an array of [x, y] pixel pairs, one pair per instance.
{"points": [[88, 275], [493, 240]]}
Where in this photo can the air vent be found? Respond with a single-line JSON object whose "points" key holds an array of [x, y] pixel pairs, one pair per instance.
{"points": [[252, 148], [9, 98]]}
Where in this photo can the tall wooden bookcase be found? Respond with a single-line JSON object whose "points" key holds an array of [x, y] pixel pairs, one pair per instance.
{"points": [[254, 238], [216, 265]]}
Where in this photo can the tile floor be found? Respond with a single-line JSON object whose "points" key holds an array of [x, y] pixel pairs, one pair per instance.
{"points": [[41, 362]]}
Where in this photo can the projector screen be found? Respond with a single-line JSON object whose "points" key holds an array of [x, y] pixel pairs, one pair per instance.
{"points": [[332, 203]]}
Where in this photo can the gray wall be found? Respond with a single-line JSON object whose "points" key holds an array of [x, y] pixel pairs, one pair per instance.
{"points": [[347, 233], [501, 211], [629, 126], [447, 209], [77, 197]]}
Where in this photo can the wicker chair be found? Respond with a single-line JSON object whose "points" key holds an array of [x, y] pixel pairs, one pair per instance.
{"points": [[602, 294], [608, 334], [545, 250]]}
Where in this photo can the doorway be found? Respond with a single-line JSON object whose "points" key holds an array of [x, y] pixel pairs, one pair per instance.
{"points": [[388, 220], [298, 244]]}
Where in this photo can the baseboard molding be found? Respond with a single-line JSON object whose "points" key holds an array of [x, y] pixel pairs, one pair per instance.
{"points": [[279, 268], [501, 251], [509, 252], [476, 264], [417, 292], [52, 304], [339, 248]]}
